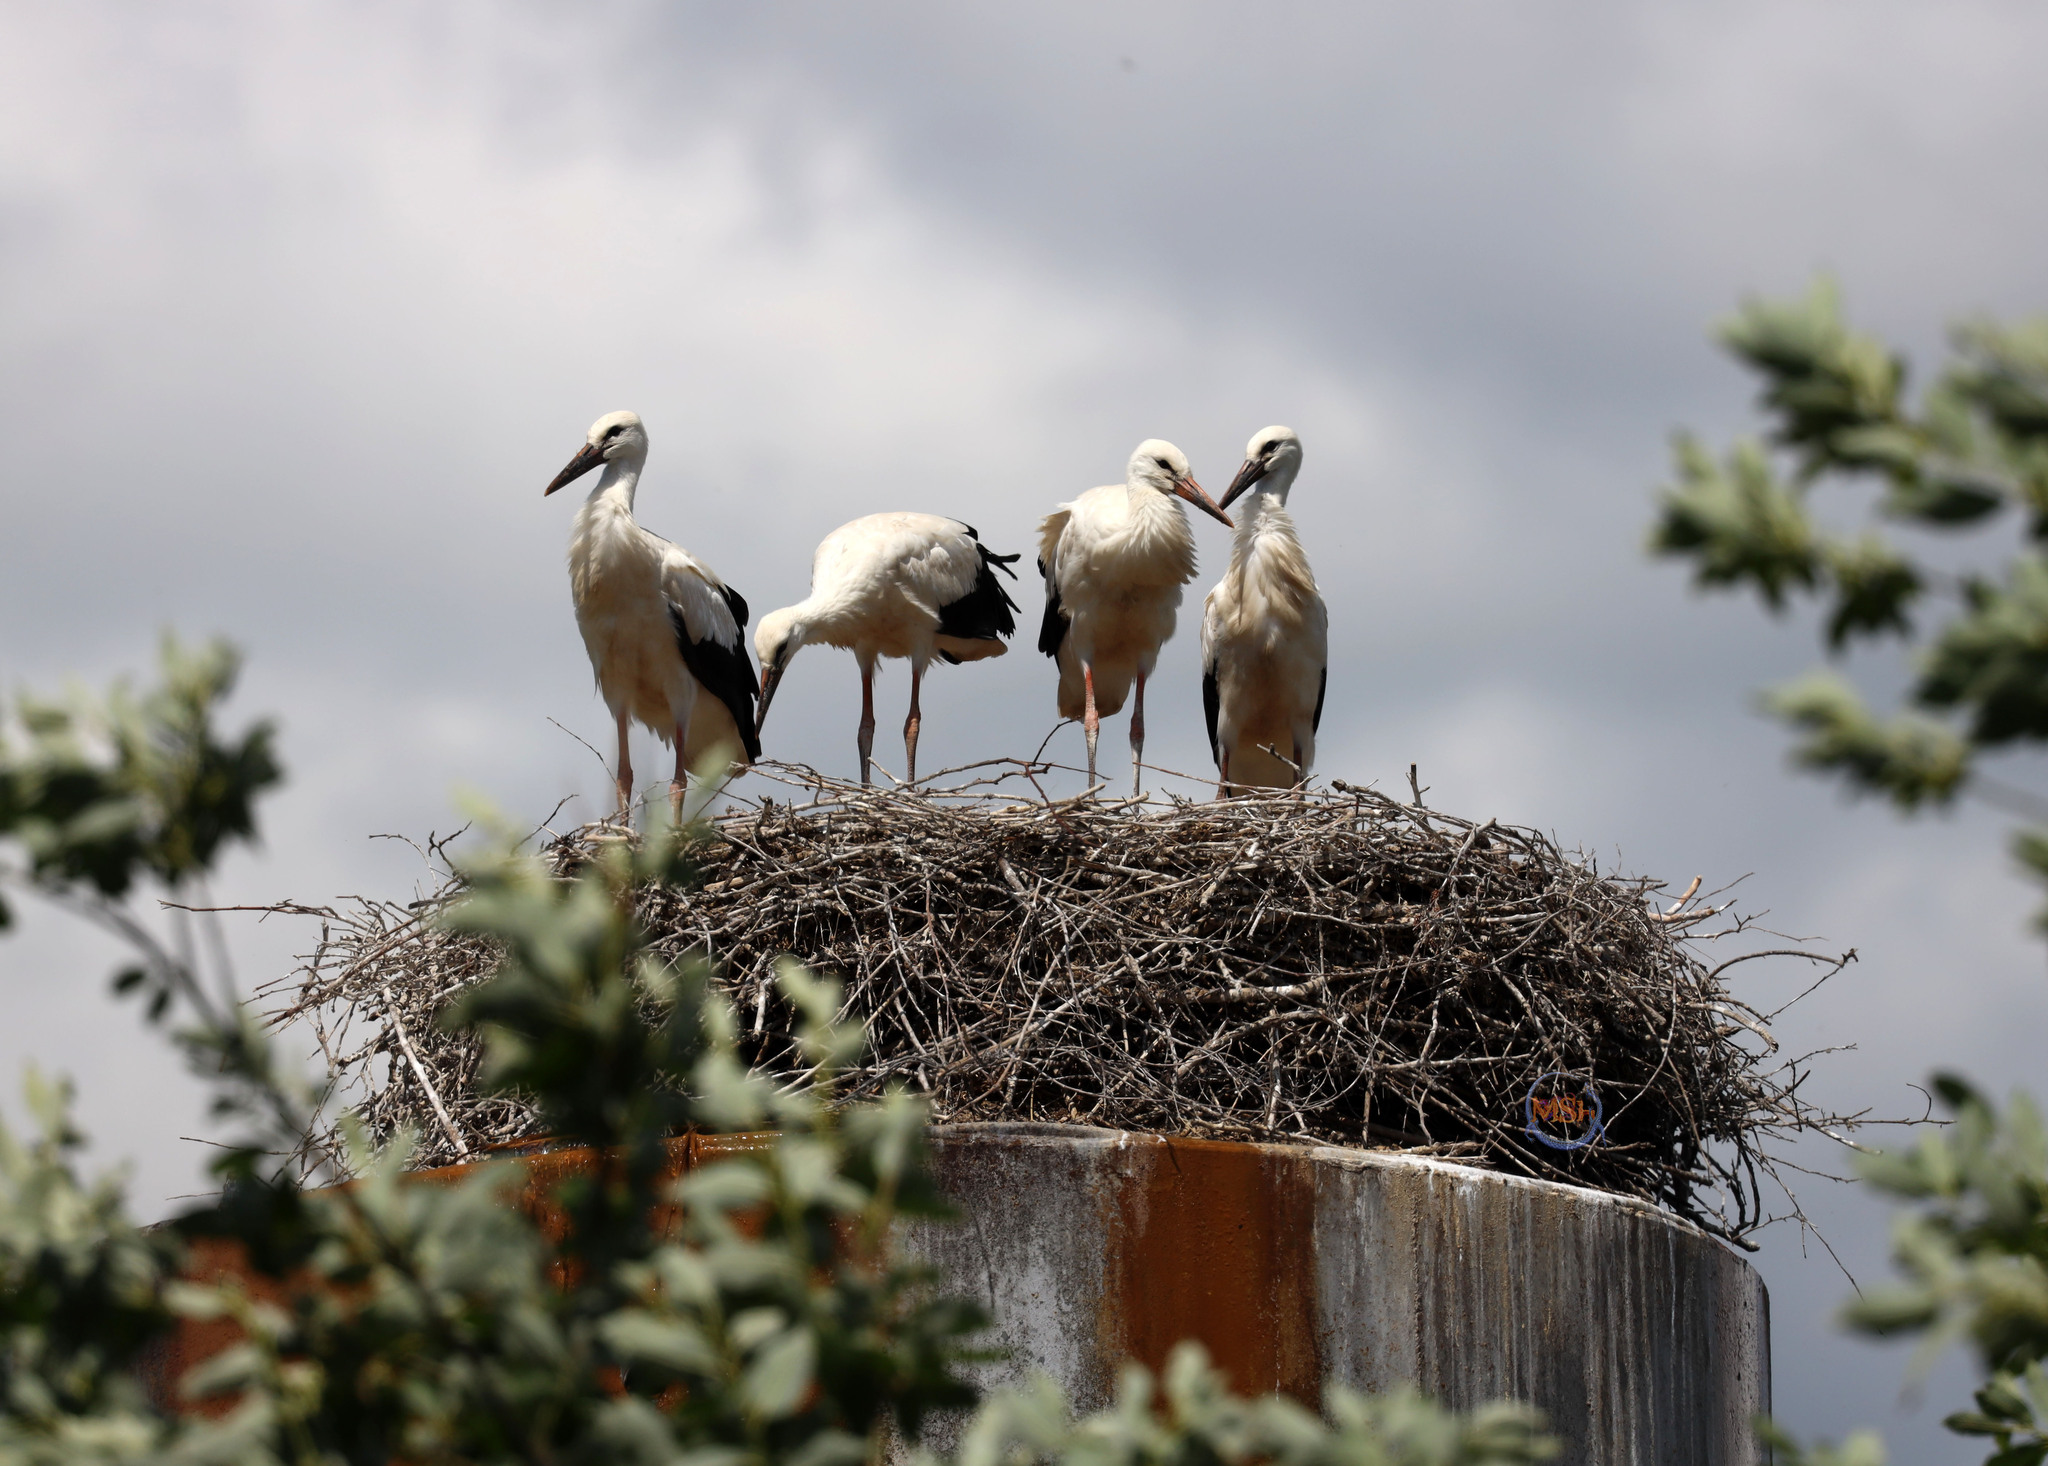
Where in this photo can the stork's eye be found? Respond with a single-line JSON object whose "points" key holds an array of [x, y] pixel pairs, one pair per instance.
{"points": [[1164, 464], [613, 430]]}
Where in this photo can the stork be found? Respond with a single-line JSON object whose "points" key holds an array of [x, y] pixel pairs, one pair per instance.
{"points": [[1114, 561], [1265, 633], [665, 634], [894, 585]]}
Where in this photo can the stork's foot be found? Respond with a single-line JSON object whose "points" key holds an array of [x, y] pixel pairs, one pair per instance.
{"points": [[675, 801]]}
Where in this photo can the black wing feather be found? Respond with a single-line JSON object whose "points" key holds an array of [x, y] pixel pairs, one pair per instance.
{"points": [[727, 673], [1212, 701], [1322, 686], [737, 604], [985, 612], [1053, 629]]}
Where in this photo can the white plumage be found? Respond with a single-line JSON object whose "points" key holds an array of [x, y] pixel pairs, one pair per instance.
{"points": [[664, 633], [894, 585], [1114, 562], [1265, 633]]}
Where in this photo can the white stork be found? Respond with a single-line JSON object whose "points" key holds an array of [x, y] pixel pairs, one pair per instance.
{"points": [[660, 627], [894, 585], [1265, 633], [1114, 561]]}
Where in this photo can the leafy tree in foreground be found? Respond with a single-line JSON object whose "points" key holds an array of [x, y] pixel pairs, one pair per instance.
{"points": [[1972, 453], [771, 1323], [1971, 1241]]}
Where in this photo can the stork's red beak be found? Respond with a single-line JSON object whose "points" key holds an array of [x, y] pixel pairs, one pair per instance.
{"points": [[1254, 469], [589, 456], [1195, 494]]}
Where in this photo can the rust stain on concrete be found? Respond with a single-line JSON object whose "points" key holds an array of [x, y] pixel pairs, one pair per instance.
{"points": [[1215, 1242]]}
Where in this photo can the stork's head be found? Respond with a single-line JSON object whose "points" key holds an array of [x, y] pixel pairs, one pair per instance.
{"points": [[1159, 465], [613, 436], [1273, 457], [779, 637]]}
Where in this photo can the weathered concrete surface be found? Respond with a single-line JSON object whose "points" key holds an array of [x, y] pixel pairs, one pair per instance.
{"points": [[1643, 1340]]}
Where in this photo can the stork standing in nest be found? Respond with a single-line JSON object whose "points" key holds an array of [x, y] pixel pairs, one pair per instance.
{"points": [[915, 586], [1114, 562], [665, 634], [1265, 633]]}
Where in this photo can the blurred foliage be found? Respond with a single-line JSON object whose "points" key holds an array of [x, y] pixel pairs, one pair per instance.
{"points": [[105, 791], [1972, 447], [1193, 1419], [1971, 1240], [1972, 1254], [754, 1311]]}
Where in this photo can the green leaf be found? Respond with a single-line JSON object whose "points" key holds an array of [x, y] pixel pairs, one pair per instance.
{"points": [[1737, 524], [2004, 372], [1873, 587], [1911, 760], [1993, 661], [1949, 499], [779, 1375], [1969, 1422], [2028, 1454], [1828, 387], [635, 1334]]}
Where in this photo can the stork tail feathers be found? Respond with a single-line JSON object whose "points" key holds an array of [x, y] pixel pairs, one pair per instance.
{"points": [[985, 612]]}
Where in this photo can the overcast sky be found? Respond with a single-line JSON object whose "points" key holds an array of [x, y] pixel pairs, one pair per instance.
{"points": [[301, 306]]}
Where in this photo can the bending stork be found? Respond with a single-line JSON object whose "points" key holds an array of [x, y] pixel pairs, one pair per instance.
{"points": [[1265, 633], [1114, 561], [660, 627], [894, 585]]}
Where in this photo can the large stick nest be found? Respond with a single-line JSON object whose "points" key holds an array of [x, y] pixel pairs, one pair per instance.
{"points": [[1334, 967]]}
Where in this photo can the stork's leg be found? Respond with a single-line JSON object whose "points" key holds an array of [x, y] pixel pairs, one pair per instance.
{"points": [[1223, 775], [867, 717], [1091, 725], [680, 782], [912, 724], [1138, 739], [625, 779]]}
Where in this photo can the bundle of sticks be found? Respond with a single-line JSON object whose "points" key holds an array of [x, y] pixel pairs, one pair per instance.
{"points": [[1334, 966]]}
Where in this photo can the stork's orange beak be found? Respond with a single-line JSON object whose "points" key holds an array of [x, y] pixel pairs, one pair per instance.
{"points": [[589, 456], [1195, 494]]}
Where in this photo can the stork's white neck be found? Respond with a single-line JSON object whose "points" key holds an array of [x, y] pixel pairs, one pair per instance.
{"points": [[1276, 484], [1263, 511], [618, 482]]}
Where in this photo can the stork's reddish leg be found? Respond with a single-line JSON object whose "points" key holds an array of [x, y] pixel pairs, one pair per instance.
{"points": [[679, 783], [1091, 725], [912, 724], [867, 717], [1138, 739], [625, 779]]}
